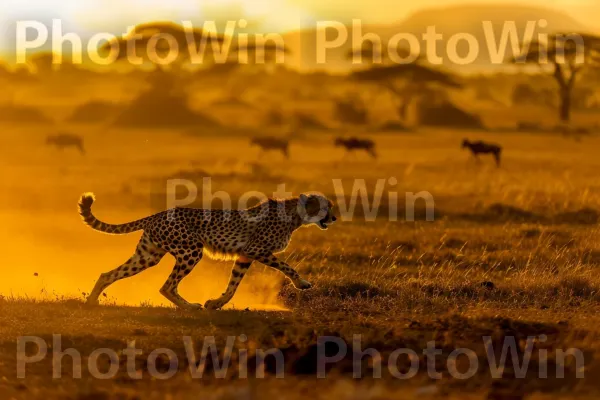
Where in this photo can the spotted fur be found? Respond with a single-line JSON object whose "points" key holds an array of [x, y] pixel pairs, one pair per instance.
{"points": [[253, 234]]}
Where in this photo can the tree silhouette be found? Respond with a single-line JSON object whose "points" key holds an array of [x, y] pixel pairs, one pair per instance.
{"points": [[168, 84], [567, 55], [139, 39], [42, 62], [242, 69], [161, 106], [351, 109], [165, 102], [407, 82]]}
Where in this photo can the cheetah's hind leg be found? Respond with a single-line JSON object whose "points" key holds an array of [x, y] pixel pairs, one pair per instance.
{"points": [[146, 255], [184, 265]]}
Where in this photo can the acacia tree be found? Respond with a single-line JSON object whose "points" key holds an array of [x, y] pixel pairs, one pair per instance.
{"points": [[243, 67], [566, 56], [407, 82], [163, 37], [42, 62], [168, 47], [172, 43]]}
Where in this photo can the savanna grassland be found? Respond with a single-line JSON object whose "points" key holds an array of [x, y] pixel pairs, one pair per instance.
{"points": [[513, 251]]}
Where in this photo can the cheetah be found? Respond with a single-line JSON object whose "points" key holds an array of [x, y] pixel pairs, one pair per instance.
{"points": [[253, 234]]}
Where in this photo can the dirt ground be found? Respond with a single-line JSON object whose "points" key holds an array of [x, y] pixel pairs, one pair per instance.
{"points": [[512, 252]]}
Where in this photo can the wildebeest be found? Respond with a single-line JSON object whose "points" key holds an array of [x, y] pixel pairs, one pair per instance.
{"points": [[480, 147], [65, 140], [272, 143], [353, 143]]}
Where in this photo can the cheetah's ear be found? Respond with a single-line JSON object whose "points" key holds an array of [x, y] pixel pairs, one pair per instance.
{"points": [[303, 198]]}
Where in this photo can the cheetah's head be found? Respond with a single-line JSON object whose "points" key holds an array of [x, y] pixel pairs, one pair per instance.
{"points": [[316, 209]]}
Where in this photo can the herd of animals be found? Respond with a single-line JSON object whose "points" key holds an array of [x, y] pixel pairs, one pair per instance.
{"points": [[64, 141]]}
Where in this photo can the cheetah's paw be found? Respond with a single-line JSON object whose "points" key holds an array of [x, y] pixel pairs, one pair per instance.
{"points": [[191, 306], [302, 284], [92, 302], [213, 304]]}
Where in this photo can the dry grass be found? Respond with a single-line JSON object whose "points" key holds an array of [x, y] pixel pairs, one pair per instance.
{"points": [[512, 251]]}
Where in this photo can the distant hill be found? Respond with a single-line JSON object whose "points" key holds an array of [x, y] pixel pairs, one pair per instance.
{"points": [[468, 19], [448, 21]]}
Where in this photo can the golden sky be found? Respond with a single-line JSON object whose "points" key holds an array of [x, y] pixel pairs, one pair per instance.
{"points": [[92, 16]]}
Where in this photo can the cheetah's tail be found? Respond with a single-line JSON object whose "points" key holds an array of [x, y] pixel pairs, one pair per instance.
{"points": [[85, 210]]}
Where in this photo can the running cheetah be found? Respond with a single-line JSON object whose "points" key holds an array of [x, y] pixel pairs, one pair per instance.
{"points": [[253, 234]]}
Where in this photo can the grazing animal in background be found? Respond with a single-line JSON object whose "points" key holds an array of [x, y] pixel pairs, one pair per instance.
{"points": [[353, 143], [267, 143], [480, 147], [248, 235], [65, 140]]}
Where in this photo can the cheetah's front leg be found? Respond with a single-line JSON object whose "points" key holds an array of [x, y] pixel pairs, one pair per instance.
{"points": [[273, 262], [237, 274]]}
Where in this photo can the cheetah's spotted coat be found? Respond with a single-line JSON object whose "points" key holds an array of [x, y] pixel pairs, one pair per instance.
{"points": [[253, 234]]}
